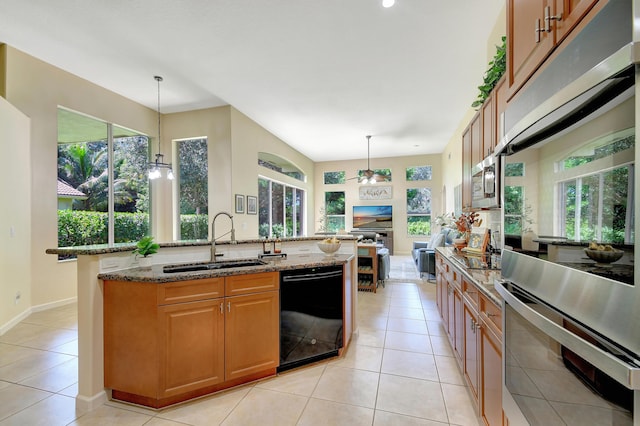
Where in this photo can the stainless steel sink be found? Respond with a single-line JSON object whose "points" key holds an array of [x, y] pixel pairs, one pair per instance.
{"points": [[213, 265]]}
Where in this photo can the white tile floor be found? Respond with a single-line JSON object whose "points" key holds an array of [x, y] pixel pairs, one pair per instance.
{"points": [[399, 370]]}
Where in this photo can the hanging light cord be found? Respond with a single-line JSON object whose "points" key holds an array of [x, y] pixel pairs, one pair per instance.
{"points": [[158, 79]]}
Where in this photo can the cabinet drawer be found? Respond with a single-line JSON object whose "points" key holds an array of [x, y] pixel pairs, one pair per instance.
{"points": [[190, 291], [251, 283], [492, 312], [471, 292]]}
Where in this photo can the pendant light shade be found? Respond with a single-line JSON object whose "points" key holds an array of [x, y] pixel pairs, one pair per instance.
{"points": [[155, 168]]}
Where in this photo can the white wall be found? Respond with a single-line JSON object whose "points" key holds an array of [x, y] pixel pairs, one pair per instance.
{"points": [[15, 226]]}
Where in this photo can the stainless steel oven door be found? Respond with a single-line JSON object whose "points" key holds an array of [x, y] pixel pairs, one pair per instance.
{"points": [[558, 372]]}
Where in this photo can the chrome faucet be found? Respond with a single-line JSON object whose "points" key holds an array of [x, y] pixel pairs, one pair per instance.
{"points": [[213, 234]]}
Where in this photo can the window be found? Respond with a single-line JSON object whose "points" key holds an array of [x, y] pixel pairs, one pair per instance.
{"points": [[331, 178], [333, 219], [516, 217], [280, 165], [600, 148], [595, 206], [94, 207], [418, 173], [280, 209], [193, 188], [419, 211], [514, 169]]}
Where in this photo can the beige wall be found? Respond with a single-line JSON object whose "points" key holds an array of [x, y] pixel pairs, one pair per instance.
{"points": [[248, 139], [452, 154], [15, 191], [399, 184], [37, 89]]}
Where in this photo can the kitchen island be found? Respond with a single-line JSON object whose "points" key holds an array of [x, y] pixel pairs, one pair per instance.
{"points": [[96, 263]]}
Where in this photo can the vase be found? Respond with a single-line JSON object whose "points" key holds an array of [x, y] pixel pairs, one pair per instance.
{"points": [[527, 241], [145, 262]]}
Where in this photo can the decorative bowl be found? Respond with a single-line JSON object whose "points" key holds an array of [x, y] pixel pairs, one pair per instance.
{"points": [[329, 248], [459, 243], [604, 257]]}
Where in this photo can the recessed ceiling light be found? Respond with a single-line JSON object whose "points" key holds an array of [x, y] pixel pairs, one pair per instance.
{"points": [[388, 3]]}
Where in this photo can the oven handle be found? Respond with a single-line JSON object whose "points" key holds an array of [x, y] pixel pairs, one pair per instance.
{"points": [[313, 276], [623, 372]]}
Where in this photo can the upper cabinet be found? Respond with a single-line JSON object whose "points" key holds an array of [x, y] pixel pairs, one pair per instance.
{"points": [[534, 29]]}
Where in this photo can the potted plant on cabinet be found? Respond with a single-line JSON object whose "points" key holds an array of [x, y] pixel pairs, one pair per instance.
{"points": [[145, 248]]}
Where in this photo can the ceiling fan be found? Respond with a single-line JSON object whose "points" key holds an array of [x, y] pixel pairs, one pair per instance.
{"points": [[368, 176]]}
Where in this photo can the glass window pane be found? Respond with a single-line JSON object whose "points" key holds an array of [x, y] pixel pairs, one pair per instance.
{"points": [[419, 225], [419, 200], [82, 180], [589, 200], [277, 209], [331, 178], [264, 200], [419, 173], [193, 188], [614, 205], [514, 169], [131, 186]]}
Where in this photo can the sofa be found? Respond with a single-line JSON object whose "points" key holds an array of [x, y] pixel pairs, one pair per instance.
{"points": [[423, 252]]}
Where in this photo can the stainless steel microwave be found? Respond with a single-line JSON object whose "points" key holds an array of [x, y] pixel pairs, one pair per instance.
{"points": [[485, 184]]}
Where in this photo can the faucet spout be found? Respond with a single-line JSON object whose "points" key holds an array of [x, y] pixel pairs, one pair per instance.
{"points": [[213, 234]]}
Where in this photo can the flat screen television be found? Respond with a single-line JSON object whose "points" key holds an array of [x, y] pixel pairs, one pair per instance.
{"points": [[372, 217]]}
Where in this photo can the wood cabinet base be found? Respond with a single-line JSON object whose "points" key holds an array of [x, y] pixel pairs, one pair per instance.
{"points": [[164, 402]]}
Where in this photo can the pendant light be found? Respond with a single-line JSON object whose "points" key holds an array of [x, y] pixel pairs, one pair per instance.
{"points": [[155, 167]]}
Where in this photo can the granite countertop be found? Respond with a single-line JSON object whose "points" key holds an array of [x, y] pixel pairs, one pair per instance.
{"points": [[155, 274], [97, 249], [483, 276]]}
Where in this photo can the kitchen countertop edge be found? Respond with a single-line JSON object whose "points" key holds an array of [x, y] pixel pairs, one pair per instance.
{"points": [[482, 278], [155, 273]]}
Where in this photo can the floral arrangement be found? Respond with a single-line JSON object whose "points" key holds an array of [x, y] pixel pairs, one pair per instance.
{"points": [[466, 221]]}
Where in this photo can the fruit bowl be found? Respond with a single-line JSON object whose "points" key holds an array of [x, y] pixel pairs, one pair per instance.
{"points": [[604, 257], [329, 248]]}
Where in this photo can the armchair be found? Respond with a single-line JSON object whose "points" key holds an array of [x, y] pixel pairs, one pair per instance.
{"points": [[424, 254]]}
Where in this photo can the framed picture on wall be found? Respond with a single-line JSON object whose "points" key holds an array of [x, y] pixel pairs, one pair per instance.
{"points": [[239, 203], [252, 204]]}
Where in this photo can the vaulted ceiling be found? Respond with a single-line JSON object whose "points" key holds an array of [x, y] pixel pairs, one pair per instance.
{"points": [[320, 75]]}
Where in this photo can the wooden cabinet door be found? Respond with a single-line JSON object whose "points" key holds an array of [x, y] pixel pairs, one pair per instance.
{"points": [[476, 139], [488, 126], [191, 346], [466, 169], [251, 334], [471, 362], [459, 325], [490, 375], [451, 319], [569, 13], [528, 44]]}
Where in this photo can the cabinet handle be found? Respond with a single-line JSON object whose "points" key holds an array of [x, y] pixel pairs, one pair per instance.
{"points": [[548, 18], [229, 306], [490, 314], [472, 325], [538, 30], [221, 308]]}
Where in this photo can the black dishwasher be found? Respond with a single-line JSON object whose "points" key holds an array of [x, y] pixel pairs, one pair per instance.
{"points": [[311, 307]]}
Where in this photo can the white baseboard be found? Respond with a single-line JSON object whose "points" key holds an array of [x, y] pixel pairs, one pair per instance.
{"points": [[86, 403], [14, 321], [55, 304], [24, 314]]}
